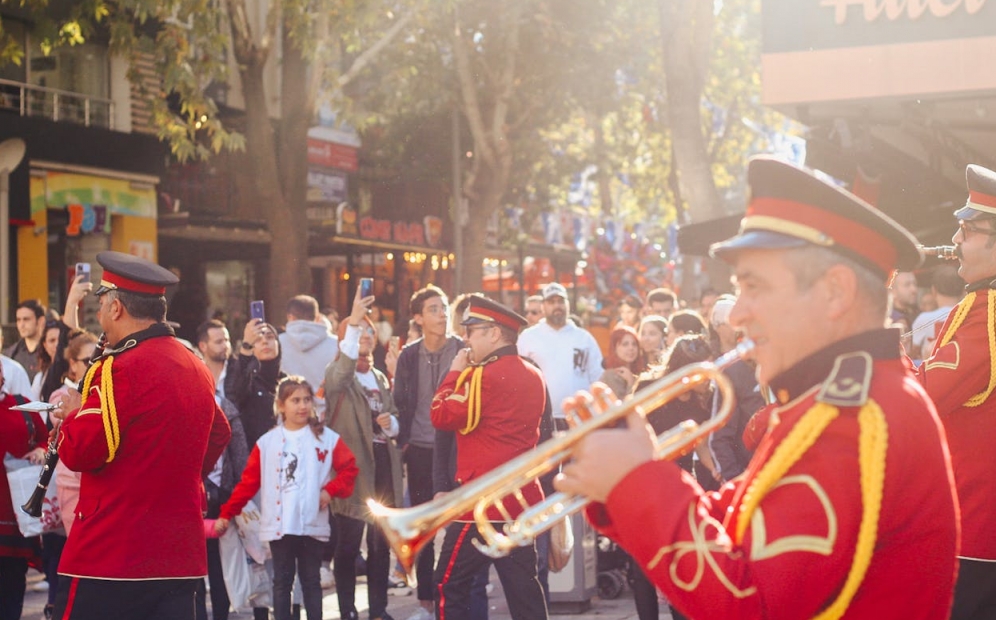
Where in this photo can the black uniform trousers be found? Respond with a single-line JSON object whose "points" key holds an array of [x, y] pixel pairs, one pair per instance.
{"points": [[149, 599], [975, 591], [419, 463], [459, 562]]}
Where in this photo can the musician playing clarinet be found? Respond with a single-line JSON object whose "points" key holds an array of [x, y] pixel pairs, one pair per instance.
{"points": [[23, 435], [143, 435], [846, 509], [960, 376]]}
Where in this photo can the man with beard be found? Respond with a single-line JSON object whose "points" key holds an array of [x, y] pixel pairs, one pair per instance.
{"points": [[567, 354], [30, 318], [215, 346], [960, 376]]}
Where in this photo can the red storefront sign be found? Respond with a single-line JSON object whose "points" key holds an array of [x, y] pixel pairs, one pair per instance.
{"points": [[332, 155]]}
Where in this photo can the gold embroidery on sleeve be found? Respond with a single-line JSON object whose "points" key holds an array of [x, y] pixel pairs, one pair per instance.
{"points": [[930, 365], [823, 545], [703, 550]]}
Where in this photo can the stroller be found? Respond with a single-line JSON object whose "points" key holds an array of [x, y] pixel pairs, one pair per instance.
{"points": [[613, 566]]}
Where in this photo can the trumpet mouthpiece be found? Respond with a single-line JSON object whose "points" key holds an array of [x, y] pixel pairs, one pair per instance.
{"points": [[947, 252]]}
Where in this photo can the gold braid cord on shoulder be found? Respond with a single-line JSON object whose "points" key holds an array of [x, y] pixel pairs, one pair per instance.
{"points": [[959, 318], [872, 446], [476, 374], [108, 408]]}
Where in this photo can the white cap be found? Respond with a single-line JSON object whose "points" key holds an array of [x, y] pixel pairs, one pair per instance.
{"points": [[554, 289], [721, 311]]}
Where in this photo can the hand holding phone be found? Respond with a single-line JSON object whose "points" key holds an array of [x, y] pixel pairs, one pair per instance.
{"points": [[256, 310], [394, 345], [83, 269], [366, 287]]}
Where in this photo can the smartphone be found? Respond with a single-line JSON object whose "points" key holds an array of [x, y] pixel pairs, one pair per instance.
{"points": [[83, 269], [256, 310], [366, 287]]}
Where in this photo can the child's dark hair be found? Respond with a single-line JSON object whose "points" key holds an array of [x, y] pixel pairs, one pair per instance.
{"points": [[287, 386]]}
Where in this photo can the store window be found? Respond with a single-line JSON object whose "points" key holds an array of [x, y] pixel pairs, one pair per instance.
{"points": [[230, 287]]}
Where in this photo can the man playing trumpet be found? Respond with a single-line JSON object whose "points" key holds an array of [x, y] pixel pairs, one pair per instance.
{"points": [[494, 400], [846, 508], [960, 376]]}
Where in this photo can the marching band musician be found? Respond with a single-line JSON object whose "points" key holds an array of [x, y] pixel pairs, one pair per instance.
{"points": [[847, 507], [960, 376], [146, 432], [493, 400]]}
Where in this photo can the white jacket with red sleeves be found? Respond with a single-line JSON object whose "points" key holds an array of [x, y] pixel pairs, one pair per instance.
{"points": [[291, 468]]}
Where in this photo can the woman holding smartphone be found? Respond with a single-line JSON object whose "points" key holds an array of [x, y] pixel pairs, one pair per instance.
{"points": [[361, 409]]}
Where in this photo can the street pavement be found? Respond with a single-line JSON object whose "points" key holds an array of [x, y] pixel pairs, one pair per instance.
{"points": [[401, 605]]}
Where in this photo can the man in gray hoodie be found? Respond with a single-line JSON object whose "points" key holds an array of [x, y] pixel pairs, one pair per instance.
{"points": [[306, 346]]}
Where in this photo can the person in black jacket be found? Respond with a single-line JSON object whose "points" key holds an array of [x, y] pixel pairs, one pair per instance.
{"points": [[422, 366], [251, 379], [251, 385]]}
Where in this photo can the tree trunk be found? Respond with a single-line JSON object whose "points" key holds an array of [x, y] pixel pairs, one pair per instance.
{"points": [[474, 238], [289, 273], [686, 32], [288, 252], [686, 26]]}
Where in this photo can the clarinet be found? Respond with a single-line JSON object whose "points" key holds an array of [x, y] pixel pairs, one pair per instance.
{"points": [[33, 507]]}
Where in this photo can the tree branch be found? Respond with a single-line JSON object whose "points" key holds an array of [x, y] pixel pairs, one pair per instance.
{"points": [[471, 104], [242, 39], [507, 84], [274, 20], [364, 59]]}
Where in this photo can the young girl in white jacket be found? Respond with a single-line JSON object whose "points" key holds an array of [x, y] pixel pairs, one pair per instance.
{"points": [[298, 467]]}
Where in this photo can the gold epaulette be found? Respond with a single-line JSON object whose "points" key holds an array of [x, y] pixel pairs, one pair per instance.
{"points": [[849, 381]]}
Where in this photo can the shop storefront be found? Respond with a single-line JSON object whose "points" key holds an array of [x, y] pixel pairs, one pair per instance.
{"points": [[400, 255], [895, 96], [76, 212]]}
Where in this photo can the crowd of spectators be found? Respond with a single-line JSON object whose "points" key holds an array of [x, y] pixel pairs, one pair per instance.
{"points": [[376, 394]]}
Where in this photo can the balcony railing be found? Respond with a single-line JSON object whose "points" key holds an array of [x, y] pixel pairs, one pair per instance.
{"points": [[55, 104]]}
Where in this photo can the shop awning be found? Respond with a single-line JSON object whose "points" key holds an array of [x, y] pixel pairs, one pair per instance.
{"points": [[206, 228]]}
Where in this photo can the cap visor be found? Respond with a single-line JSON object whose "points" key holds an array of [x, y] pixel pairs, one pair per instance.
{"points": [[754, 240], [970, 213]]}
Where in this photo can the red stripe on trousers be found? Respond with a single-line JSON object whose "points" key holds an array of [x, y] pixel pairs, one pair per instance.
{"points": [[449, 571], [72, 598]]}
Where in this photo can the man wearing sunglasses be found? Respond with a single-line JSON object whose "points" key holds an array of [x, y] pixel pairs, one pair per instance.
{"points": [[960, 376]]}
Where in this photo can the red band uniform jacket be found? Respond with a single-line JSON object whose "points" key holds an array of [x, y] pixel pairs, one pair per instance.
{"points": [[959, 376], [512, 397], [800, 535], [140, 510], [14, 438]]}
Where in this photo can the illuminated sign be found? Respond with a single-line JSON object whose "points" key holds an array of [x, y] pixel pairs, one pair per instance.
{"points": [[893, 10]]}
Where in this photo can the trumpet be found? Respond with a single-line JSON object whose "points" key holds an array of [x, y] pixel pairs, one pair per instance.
{"points": [[947, 252], [409, 530]]}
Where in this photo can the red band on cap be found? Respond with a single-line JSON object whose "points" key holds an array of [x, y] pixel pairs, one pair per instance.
{"points": [[127, 284], [982, 199], [493, 315], [844, 232]]}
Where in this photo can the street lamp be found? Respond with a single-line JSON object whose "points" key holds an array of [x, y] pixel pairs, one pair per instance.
{"points": [[11, 154]]}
